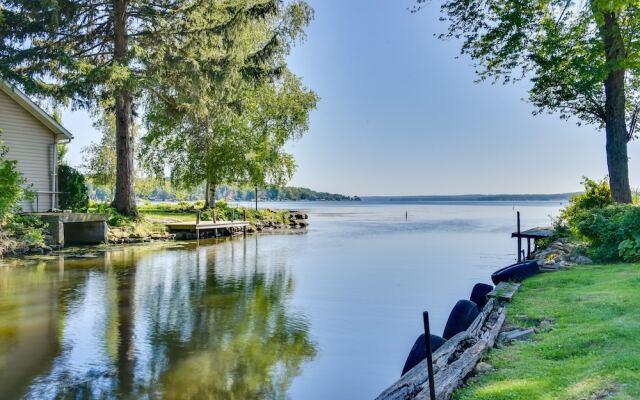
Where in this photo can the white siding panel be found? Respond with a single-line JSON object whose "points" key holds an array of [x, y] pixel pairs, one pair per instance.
{"points": [[30, 143]]}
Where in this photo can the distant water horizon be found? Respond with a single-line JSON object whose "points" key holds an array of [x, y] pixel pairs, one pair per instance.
{"points": [[472, 197]]}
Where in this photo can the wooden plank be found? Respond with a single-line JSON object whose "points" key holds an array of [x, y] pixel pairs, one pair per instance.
{"points": [[533, 233], [204, 225], [504, 291], [453, 361]]}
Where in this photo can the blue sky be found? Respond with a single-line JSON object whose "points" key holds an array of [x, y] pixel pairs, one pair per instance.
{"points": [[400, 114]]}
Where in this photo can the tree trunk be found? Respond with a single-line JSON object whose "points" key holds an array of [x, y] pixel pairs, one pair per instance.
{"points": [[124, 199], [210, 195], [206, 195], [615, 122]]}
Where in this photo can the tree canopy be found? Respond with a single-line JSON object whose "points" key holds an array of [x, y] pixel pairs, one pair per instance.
{"points": [[223, 127], [128, 56], [581, 57]]}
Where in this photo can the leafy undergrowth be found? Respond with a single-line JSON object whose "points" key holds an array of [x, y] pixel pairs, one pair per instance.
{"points": [[592, 351]]}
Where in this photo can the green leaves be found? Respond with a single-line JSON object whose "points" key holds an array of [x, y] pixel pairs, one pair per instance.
{"points": [[229, 121], [556, 44], [11, 182]]}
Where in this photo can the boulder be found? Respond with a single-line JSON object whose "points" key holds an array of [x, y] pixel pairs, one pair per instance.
{"points": [[516, 334], [583, 260], [483, 367]]}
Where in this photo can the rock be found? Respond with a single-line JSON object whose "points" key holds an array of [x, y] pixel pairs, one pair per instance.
{"points": [[483, 368], [545, 325], [583, 260], [516, 334]]}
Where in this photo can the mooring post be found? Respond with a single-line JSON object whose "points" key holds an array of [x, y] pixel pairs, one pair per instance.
{"points": [[519, 240], [427, 343], [198, 217]]}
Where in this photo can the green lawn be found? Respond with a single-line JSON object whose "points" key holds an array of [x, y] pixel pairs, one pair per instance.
{"points": [[592, 351], [162, 217]]}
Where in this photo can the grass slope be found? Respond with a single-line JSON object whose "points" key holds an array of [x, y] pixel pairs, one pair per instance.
{"points": [[593, 350]]}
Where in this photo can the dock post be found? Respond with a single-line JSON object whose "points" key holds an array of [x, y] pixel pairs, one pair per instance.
{"points": [[519, 240], [198, 217], [427, 343]]}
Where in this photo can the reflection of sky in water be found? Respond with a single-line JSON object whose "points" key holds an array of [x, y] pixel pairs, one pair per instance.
{"points": [[326, 314]]}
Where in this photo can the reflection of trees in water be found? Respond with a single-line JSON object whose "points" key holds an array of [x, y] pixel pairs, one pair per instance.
{"points": [[207, 322], [226, 332]]}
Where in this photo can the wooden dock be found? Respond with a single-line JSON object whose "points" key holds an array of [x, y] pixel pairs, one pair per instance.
{"points": [[203, 226], [530, 235]]}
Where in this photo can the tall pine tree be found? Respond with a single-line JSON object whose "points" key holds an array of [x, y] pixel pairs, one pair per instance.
{"points": [[116, 54]]}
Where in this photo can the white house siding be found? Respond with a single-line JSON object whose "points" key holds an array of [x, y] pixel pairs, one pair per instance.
{"points": [[30, 143]]}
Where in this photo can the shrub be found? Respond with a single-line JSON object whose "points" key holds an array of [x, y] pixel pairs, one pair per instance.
{"points": [[28, 229], [114, 218], [595, 195], [11, 185], [612, 231], [72, 183]]}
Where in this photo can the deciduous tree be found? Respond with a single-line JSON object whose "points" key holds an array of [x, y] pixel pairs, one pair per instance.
{"points": [[582, 59], [203, 132]]}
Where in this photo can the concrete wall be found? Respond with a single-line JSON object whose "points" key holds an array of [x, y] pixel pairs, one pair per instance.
{"points": [[76, 228], [31, 144], [85, 233]]}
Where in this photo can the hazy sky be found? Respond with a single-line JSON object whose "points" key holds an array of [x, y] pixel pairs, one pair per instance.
{"points": [[400, 115]]}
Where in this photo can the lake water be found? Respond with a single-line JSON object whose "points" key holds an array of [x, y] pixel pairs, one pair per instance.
{"points": [[326, 314]]}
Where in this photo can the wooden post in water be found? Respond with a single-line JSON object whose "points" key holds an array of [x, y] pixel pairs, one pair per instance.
{"points": [[519, 240], [244, 228], [427, 343]]}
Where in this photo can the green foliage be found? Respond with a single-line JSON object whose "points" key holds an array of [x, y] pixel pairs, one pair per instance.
{"points": [[559, 45], [605, 229], [570, 51], [27, 229], [114, 218], [11, 183], [99, 159], [230, 127], [595, 195], [629, 249], [75, 194], [611, 231]]}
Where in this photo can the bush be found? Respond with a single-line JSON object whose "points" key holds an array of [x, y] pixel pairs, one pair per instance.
{"points": [[28, 229], [612, 231], [75, 195], [11, 183], [114, 218], [595, 195]]}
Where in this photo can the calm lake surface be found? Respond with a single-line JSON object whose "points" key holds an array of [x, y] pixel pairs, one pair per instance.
{"points": [[326, 314]]}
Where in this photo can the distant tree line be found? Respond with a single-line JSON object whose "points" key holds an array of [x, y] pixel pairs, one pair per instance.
{"points": [[275, 193]]}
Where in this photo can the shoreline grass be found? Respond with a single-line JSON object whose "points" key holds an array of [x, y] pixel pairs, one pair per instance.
{"points": [[592, 350]]}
